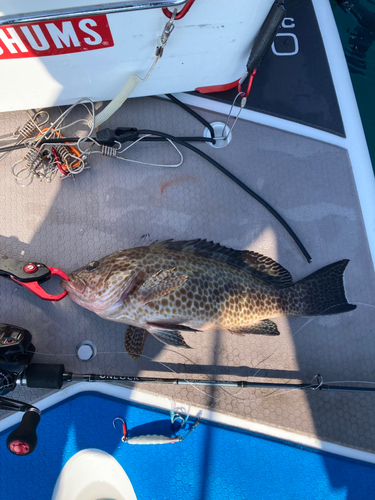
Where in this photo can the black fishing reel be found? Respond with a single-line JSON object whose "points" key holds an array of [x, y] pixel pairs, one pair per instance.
{"points": [[16, 353]]}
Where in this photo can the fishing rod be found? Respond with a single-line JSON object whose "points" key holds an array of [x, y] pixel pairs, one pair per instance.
{"points": [[16, 369], [53, 376], [317, 384]]}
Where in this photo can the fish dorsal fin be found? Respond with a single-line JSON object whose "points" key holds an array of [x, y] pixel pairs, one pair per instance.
{"points": [[271, 271], [254, 263]]}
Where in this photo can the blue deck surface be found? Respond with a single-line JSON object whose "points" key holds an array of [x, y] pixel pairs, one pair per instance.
{"points": [[214, 462]]}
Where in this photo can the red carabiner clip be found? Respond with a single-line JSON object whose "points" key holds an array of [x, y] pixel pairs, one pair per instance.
{"points": [[185, 9], [245, 94]]}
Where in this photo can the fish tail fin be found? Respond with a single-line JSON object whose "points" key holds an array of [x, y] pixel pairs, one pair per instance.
{"points": [[320, 293]]}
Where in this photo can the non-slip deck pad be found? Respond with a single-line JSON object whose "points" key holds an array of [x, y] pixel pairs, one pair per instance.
{"points": [[115, 205]]}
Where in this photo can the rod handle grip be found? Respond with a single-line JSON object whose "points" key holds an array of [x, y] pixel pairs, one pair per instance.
{"points": [[23, 440]]}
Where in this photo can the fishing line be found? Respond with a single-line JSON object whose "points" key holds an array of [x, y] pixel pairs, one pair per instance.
{"points": [[364, 304], [316, 388], [287, 391], [293, 336], [173, 371], [214, 398], [154, 361], [196, 364], [290, 390]]}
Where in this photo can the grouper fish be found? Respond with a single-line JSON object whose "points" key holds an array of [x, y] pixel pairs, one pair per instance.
{"points": [[174, 286]]}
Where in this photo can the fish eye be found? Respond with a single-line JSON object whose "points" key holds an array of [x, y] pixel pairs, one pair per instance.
{"points": [[93, 265]]}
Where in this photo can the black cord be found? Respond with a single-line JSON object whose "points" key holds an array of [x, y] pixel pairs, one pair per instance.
{"points": [[183, 142], [6, 149], [239, 183], [193, 113], [190, 139]]}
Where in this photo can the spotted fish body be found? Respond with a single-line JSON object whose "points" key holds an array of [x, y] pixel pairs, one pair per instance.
{"points": [[175, 286]]}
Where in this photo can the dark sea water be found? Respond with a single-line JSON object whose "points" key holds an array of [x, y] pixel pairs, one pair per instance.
{"points": [[355, 20]]}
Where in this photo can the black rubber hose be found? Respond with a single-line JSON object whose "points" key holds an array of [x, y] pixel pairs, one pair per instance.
{"points": [[193, 113], [6, 149], [239, 183], [190, 139], [266, 36]]}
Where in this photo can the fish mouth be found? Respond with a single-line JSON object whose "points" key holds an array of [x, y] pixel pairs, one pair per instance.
{"points": [[74, 287]]}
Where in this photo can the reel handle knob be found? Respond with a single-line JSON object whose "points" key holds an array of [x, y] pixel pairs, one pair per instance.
{"points": [[23, 440]]}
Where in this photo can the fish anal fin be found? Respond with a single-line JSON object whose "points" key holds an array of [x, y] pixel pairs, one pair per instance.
{"points": [[265, 327], [160, 284], [168, 337], [134, 341]]}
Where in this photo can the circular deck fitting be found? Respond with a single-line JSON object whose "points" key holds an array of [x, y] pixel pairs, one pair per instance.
{"points": [[86, 350], [223, 135]]}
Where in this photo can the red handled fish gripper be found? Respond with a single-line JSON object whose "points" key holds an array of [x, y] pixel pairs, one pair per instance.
{"points": [[30, 274]]}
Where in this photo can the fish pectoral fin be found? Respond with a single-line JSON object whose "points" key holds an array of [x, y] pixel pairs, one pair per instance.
{"points": [[168, 337], [134, 341], [160, 284], [130, 283], [265, 327]]}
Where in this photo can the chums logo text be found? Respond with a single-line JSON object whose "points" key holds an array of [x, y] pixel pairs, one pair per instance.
{"points": [[55, 38]]}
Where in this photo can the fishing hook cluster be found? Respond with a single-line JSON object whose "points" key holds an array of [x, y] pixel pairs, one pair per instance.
{"points": [[44, 160]]}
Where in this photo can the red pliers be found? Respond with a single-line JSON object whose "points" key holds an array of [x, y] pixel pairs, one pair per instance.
{"points": [[30, 274]]}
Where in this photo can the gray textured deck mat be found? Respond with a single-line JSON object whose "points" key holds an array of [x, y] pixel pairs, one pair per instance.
{"points": [[116, 205]]}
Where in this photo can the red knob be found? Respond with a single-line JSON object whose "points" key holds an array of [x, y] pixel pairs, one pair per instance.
{"points": [[30, 268]]}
